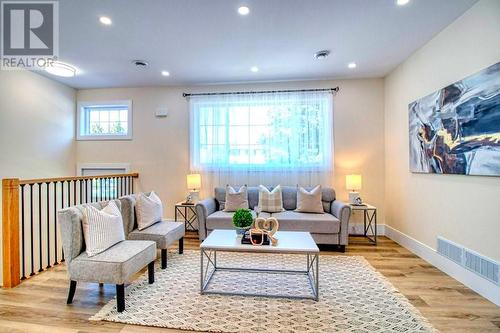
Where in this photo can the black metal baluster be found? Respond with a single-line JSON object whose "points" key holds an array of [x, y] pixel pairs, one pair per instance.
{"points": [[23, 277], [100, 186], [55, 220], [48, 225], [86, 191], [113, 188], [74, 192], [106, 189], [69, 193], [81, 191], [40, 269], [121, 186], [31, 237], [132, 182]]}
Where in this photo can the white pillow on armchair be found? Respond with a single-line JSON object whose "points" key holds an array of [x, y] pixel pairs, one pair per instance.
{"points": [[148, 209]]}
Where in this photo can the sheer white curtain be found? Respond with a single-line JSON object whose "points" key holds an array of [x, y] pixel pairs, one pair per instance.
{"points": [[268, 138]]}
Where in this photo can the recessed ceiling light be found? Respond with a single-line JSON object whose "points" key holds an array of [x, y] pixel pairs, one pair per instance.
{"points": [[105, 20], [351, 65], [243, 10], [60, 69], [323, 54], [402, 2], [165, 73], [254, 69]]}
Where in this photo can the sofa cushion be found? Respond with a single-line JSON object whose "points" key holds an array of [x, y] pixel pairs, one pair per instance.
{"points": [[314, 223], [224, 220], [164, 233], [270, 201], [149, 210], [115, 265]]}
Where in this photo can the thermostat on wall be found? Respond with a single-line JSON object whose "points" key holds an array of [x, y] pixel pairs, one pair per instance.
{"points": [[161, 112]]}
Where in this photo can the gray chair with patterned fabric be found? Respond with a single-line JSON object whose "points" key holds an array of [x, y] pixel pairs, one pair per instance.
{"points": [[163, 233], [116, 265]]}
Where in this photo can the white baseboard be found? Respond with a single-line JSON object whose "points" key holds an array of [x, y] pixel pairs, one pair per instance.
{"points": [[357, 229], [483, 287]]}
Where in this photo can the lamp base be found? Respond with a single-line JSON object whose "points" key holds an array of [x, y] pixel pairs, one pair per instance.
{"points": [[193, 197], [353, 196]]}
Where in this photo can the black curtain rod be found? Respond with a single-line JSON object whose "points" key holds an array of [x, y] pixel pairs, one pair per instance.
{"points": [[336, 89]]}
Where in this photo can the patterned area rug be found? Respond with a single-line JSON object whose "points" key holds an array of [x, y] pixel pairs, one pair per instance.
{"points": [[353, 298]]}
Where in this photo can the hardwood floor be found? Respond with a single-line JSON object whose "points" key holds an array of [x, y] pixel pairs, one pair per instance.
{"points": [[39, 304]]}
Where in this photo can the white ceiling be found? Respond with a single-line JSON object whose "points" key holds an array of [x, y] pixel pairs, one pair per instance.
{"points": [[206, 41]]}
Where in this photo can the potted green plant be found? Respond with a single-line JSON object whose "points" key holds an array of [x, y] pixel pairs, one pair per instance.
{"points": [[242, 220]]}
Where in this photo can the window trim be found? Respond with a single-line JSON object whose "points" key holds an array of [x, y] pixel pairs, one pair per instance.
{"points": [[82, 104], [99, 166]]}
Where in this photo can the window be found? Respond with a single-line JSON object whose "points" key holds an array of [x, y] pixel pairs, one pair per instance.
{"points": [[281, 131], [104, 120]]}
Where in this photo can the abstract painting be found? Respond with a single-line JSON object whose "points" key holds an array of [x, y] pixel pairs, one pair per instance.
{"points": [[456, 130]]}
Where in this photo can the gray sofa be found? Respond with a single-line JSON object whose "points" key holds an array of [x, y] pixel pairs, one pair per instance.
{"points": [[116, 265], [331, 227]]}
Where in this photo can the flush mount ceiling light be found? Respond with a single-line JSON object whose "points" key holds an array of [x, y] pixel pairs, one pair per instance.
{"points": [[105, 20], [140, 63], [165, 73], [243, 10], [323, 54], [254, 69], [351, 65], [60, 69], [402, 2]]}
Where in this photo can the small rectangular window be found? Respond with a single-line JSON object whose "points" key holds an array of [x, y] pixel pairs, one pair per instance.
{"points": [[104, 120]]}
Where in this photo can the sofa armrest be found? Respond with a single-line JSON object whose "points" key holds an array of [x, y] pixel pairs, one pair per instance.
{"points": [[203, 209], [342, 211]]}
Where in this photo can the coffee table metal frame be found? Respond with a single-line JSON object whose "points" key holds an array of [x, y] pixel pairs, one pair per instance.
{"points": [[311, 271]]}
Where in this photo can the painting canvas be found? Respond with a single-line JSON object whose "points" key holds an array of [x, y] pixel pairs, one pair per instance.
{"points": [[456, 130]]}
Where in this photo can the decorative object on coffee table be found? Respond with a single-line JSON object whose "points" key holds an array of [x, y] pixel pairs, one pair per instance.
{"points": [[186, 213], [242, 220], [268, 227]]}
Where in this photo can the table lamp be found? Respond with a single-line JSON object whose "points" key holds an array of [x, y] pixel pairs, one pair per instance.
{"points": [[194, 184], [353, 184]]}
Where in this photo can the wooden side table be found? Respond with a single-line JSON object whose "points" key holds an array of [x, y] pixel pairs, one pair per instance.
{"points": [[369, 221], [188, 215]]}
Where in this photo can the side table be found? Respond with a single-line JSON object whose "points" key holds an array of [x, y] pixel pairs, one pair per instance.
{"points": [[187, 214], [369, 221]]}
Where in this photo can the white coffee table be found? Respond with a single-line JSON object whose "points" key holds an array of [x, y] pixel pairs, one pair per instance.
{"points": [[289, 242]]}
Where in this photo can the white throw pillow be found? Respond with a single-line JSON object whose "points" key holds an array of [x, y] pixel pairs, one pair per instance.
{"points": [[270, 201], [148, 209], [309, 202], [236, 199], [102, 228]]}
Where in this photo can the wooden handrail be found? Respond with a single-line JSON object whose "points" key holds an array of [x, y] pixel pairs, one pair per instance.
{"points": [[61, 179]]}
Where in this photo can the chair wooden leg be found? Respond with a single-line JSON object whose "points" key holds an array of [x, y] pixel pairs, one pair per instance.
{"points": [[151, 272], [72, 289], [120, 297], [163, 258], [181, 245]]}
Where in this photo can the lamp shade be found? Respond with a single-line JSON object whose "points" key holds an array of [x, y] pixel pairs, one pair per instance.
{"points": [[353, 182], [194, 181]]}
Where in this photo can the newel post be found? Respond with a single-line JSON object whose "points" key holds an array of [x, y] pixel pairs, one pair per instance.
{"points": [[10, 232]]}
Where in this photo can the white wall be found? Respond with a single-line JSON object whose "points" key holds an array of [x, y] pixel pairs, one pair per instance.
{"points": [[36, 127], [464, 209], [159, 150]]}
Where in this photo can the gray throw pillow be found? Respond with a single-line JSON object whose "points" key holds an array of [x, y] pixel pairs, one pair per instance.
{"points": [[236, 199], [309, 202]]}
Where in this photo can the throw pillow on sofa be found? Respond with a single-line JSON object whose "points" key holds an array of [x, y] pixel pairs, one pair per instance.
{"points": [[149, 210], [236, 199], [102, 228], [270, 201], [309, 201]]}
